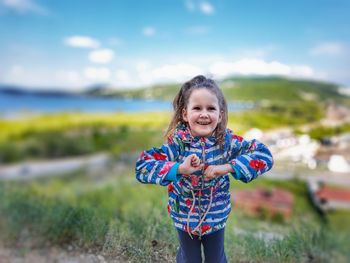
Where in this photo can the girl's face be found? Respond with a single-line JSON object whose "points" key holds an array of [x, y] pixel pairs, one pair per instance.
{"points": [[202, 112]]}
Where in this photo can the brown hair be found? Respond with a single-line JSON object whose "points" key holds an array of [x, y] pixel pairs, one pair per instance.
{"points": [[181, 100]]}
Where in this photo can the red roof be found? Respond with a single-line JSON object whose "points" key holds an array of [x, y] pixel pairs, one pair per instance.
{"points": [[331, 193], [274, 201], [273, 196]]}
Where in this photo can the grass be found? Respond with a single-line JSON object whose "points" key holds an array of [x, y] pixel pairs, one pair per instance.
{"points": [[122, 219], [72, 134], [324, 132], [65, 137], [18, 129]]}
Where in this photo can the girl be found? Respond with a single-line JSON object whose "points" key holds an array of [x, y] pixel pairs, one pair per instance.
{"points": [[196, 164]]}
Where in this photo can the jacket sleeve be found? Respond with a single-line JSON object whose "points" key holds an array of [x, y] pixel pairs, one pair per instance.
{"points": [[249, 159], [153, 165]]}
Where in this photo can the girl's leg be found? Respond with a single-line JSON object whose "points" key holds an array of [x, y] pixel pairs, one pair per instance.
{"points": [[213, 244], [189, 250]]}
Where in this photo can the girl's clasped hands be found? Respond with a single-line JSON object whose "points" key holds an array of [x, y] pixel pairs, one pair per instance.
{"points": [[192, 163]]}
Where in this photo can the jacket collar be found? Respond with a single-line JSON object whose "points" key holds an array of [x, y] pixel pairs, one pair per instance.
{"points": [[182, 131]]}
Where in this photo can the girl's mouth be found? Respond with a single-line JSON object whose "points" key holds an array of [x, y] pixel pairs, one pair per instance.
{"points": [[203, 123]]}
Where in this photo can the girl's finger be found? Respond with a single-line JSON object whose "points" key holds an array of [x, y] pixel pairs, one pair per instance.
{"points": [[208, 177], [195, 158], [208, 170]]}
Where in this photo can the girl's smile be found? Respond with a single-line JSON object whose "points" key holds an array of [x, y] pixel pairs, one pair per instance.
{"points": [[197, 172], [202, 112]]}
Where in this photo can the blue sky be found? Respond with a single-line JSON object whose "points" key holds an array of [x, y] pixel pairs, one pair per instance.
{"points": [[78, 43]]}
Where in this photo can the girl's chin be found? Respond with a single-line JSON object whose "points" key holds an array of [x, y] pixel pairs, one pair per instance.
{"points": [[202, 133]]}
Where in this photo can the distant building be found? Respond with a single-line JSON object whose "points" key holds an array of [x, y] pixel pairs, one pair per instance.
{"points": [[336, 115], [271, 202], [337, 163], [335, 155], [327, 197]]}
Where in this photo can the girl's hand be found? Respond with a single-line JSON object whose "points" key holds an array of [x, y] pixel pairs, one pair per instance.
{"points": [[214, 171], [191, 164]]}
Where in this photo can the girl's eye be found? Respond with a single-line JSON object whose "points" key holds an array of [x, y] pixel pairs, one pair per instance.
{"points": [[212, 108], [196, 108]]}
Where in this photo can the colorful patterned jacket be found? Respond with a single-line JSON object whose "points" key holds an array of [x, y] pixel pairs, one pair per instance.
{"points": [[197, 206]]}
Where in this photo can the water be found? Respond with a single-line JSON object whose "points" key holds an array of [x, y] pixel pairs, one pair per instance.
{"points": [[11, 105]]}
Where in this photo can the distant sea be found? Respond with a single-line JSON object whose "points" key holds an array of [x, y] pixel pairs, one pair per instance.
{"points": [[12, 105]]}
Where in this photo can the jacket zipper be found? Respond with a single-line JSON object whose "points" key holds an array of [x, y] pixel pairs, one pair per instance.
{"points": [[202, 186]]}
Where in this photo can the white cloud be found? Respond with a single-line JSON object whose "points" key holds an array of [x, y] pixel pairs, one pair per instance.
{"points": [[206, 8], [203, 7], [149, 31], [143, 65], [259, 67], [329, 49], [71, 77], [16, 70], [81, 42], [43, 78], [101, 56], [302, 71], [176, 72], [122, 76], [25, 6], [143, 72], [97, 74]]}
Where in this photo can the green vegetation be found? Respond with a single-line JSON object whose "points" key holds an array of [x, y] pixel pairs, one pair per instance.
{"points": [[279, 102], [248, 88], [274, 115], [278, 89], [114, 215], [79, 141], [108, 215], [324, 132], [17, 129], [61, 135]]}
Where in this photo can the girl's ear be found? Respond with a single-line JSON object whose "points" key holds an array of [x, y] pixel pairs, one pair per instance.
{"points": [[184, 115]]}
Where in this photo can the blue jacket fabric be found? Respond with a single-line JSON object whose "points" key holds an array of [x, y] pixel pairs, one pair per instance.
{"points": [[195, 205]]}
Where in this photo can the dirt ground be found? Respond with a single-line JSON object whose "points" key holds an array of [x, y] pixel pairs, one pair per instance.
{"points": [[50, 255]]}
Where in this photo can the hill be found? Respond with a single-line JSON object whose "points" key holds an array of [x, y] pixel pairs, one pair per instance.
{"points": [[248, 88], [256, 89]]}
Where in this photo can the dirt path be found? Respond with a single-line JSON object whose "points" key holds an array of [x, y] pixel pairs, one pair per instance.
{"points": [[51, 255], [30, 169]]}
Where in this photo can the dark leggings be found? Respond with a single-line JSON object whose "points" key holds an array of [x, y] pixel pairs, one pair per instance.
{"points": [[190, 249]]}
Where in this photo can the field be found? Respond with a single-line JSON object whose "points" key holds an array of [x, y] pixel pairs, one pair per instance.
{"points": [[71, 134], [107, 214]]}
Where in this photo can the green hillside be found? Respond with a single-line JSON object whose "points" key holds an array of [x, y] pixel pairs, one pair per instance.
{"points": [[278, 89], [249, 88]]}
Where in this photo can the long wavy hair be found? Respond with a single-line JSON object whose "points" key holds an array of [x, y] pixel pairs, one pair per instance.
{"points": [[181, 99]]}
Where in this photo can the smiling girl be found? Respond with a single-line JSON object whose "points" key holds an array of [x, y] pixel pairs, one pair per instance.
{"points": [[196, 164]]}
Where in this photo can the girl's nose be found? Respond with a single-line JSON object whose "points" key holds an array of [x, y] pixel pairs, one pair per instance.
{"points": [[203, 115]]}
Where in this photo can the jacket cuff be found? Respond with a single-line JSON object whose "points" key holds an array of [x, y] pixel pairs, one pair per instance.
{"points": [[172, 174], [237, 174]]}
